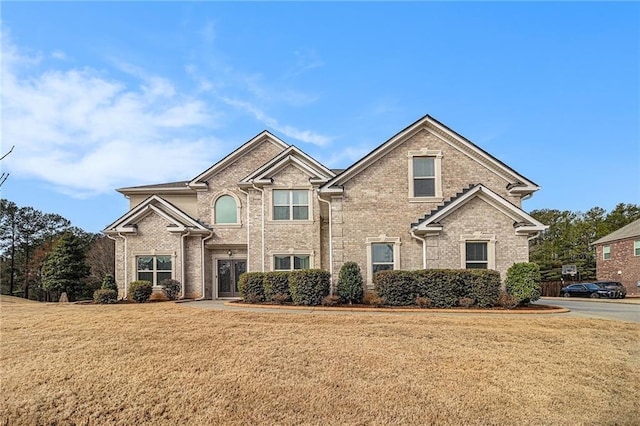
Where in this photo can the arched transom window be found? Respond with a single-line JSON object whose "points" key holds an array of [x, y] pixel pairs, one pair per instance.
{"points": [[226, 210]]}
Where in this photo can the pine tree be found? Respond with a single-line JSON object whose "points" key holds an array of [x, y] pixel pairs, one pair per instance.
{"points": [[65, 266]]}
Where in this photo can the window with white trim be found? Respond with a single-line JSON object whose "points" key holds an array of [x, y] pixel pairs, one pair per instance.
{"points": [[636, 248], [425, 182], [476, 255], [226, 210], [291, 262], [381, 257], [606, 252], [383, 254], [290, 204], [154, 268]]}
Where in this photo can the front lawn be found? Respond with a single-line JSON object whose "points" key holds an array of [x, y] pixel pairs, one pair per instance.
{"points": [[166, 363]]}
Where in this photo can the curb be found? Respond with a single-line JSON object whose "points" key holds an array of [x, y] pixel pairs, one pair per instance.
{"points": [[554, 310]]}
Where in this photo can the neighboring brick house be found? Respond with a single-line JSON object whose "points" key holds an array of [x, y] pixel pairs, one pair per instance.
{"points": [[618, 257], [426, 198]]}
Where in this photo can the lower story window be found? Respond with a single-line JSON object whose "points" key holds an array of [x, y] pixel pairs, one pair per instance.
{"points": [[476, 255], [381, 257], [154, 268], [291, 262]]}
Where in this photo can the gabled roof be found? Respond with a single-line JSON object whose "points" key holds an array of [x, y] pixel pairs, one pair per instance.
{"points": [[518, 184], [291, 155], [631, 230], [199, 182], [522, 221], [178, 220], [180, 187]]}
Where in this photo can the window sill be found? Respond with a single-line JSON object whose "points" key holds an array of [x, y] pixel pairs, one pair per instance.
{"points": [[227, 226], [426, 199], [290, 222]]}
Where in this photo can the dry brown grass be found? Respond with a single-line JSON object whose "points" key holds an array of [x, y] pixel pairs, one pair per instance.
{"points": [[171, 364]]}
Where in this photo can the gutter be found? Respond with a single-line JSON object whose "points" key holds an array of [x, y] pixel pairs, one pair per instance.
{"points": [[261, 230], [330, 241], [202, 268], [424, 248], [183, 262], [246, 193]]}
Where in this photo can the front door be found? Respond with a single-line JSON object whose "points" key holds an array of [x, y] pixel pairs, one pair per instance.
{"points": [[229, 271]]}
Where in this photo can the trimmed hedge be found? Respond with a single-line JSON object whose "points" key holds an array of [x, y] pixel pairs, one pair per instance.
{"points": [[140, 291], [309, 286], [251, 286], [276, 286], [523, 282], [444, 288], [105, 296]]}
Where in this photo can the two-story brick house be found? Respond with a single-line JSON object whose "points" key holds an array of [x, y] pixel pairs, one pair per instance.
{"points": [[426, 198], [618, 257]]}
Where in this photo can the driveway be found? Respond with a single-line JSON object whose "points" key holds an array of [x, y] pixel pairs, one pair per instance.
{"points": [[621, 310]]}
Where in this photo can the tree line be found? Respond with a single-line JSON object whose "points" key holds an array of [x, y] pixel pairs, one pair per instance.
{"points": [[42, 255], [570, 237]]}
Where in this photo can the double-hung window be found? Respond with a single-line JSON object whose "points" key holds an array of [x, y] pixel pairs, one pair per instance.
{"points": [[154, 268], [424, 177], [606, 252], [476, 255], [381, 257], [291, 262], [636, 248], [290, 204]]}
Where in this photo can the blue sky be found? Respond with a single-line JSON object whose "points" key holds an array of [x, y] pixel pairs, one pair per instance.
{"points": [[97, 96]]}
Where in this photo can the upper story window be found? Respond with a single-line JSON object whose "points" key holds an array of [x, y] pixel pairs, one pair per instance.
{"points": [[290, 204], [424, 177], [606, 252], [226, 210], [425, 180], [636, 247], [154, 268]]}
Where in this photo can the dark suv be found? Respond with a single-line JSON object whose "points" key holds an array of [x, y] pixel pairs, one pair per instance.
{"points": [[618, 291]]}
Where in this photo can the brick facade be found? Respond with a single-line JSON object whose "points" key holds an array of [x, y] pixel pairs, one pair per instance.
{"points": [[623, 265], [373, 205]]}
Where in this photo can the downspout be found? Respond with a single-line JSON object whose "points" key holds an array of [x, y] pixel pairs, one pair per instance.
{"points": [[183, 261], [202, 264], [246, 193], [330, 241], [262, 230], [126, 270], [424, 248]]}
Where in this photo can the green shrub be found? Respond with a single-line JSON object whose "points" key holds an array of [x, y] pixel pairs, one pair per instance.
{"points": [[105, 296], [483, 286], [251, 286], [523, 282], [276, 286], [397, 288], [444, 287], [309, 286], [350, 284], [140, 291], [109, 283], [171, 288]]}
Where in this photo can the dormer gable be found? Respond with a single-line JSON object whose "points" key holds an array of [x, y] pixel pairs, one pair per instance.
{"points": [[178, 221], [200, 181], [523, 223], [292, 156]]}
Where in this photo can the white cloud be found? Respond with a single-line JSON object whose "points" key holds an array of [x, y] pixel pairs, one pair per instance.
{"points": [[86, 133], [306, 136]]}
